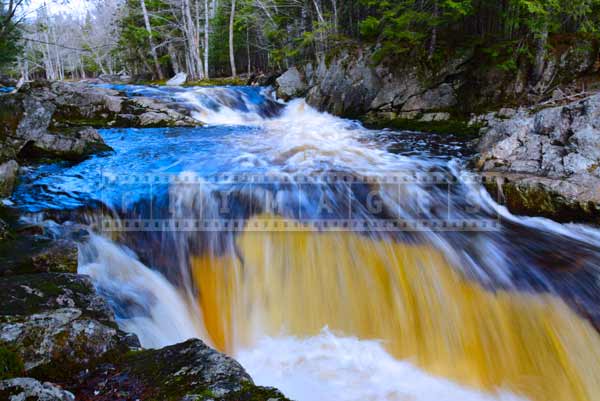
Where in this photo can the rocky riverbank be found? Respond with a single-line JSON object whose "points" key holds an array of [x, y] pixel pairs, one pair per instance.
{"points": [[545, 162], [58, 120], [59, 340]]}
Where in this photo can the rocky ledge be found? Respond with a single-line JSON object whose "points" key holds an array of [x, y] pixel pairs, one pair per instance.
{"points": [[545, 162], [58, 120], [355, 81], [59, 340]]}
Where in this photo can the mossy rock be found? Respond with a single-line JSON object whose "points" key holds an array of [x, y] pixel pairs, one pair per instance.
{"points": [[186, 371], [11, 364], [36, 254], [527, 199], [460, 128]]}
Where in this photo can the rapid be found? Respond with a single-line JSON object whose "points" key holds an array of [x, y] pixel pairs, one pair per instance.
{"points": [[333, 261]]}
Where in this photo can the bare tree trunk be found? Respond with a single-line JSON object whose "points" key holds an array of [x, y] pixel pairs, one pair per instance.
{"points": [[540, 54], [231, 49], [433, 43], [206, 38], [193, 45], [151, 41], [249, 69]]}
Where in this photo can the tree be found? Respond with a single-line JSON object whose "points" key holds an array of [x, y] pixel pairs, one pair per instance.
{"points": [[9, 31], [150, 40], [231, 39]]}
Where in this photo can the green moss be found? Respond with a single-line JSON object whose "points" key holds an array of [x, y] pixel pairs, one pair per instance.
{"points": [[11, 364], [537, 200], [456, 127]]}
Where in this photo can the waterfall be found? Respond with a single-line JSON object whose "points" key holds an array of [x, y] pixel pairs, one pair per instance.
{"points": [[299, 243]]}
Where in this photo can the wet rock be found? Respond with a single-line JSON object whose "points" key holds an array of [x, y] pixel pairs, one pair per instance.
{"points": [[186, 371], [556, 150], [27, 389], [57, 323], [291, 84], [69, 144], [157, 114], [8, 177], [56, 121], [28, 254], [268, 79], [544, 197], [4, 230]]}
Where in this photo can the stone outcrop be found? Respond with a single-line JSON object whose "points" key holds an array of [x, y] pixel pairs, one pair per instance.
{"points": [[59, 340], [546, 162], [27, 389], [291, 84], [354, 83], [58, 120], [56, 323], [186, 371]]}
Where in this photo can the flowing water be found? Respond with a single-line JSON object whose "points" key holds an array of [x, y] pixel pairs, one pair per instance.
{"points": [[334, 262]]}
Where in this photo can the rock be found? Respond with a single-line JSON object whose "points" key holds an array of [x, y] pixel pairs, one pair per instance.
{"points": [[114, 78], [8, 177], [57, 324], [27, 389], [4, 230], [57, 120], [186, 371], [554, 150], [428, 117], [291, 84], [70, 144], [356, 81], [28, 254], [179, 79]]}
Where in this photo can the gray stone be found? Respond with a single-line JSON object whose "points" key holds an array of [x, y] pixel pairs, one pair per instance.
{"points": [[557, 148], [8, 177], [27, 389], [186, 371], [291, 84], [56, 322]]}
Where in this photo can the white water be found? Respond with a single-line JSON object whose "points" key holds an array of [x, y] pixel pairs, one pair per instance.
{"points": [[164, 318], [332, 368], [326, 367], [322, 368]]}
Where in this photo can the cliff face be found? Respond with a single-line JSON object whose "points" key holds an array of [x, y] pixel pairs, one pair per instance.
{"points": [[546, 162], [352, 84]]}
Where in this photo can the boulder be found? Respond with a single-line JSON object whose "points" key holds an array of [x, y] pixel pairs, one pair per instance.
{"points": [[556, 150], [186, 371], [57, 324], [291, 84], [28, 389], [179, 79], [8, 177]]}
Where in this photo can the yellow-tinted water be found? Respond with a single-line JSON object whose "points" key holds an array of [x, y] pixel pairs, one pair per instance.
{"points": [[409, 297]]}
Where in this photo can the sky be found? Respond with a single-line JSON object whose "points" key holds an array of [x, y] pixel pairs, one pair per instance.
{"points": [[56, 6]]}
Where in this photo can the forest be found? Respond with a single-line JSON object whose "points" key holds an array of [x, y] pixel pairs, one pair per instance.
{"points": [[218, 38]]}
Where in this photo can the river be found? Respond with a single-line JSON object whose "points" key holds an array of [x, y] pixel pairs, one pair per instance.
{"points": [[334, 262]]}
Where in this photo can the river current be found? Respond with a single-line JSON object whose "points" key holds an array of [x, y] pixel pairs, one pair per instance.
{"points": [[334, 262]]}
